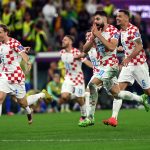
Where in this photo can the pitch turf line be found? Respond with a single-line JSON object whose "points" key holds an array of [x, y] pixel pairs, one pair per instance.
{"points": [[71, 140]]}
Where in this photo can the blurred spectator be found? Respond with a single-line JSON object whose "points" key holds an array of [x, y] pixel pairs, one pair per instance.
{"points": [[28, 30], [53, 68], [78, 5], [74, 33], [58, 38], [41, 42], [49, 11], [70, 16], [54, 89], [109, 7], [62, 70], [142, 27], [91, 7], [83, 20], [7, 17]]}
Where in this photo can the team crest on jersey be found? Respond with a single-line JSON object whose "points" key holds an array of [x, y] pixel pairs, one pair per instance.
{"points": [[20, 47], [137, 34], [116, 35]]}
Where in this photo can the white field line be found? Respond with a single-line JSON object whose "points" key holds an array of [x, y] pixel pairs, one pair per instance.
{"points": [[71, 140]]}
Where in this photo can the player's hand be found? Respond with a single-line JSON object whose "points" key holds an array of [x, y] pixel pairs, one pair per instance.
{"points": [[95, 31], [89, 36], [126, 61], [120, 49], [27, 49]]}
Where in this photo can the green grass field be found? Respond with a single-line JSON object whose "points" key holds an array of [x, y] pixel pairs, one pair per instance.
{"points": [[60, 132]]}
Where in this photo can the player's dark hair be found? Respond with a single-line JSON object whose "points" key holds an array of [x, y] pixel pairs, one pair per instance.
{"points": [[4, 27], [70, 37], [101, 13], [125, 12]]}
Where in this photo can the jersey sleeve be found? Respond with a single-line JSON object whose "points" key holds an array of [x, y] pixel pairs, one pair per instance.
{"points": [[18, 47], [136, 35], [115, 34]]}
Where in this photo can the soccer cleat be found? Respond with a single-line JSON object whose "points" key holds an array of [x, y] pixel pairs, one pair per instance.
{"points": [[81, 122], [111, 121], [29, 116], [145, 102], [92, 122], [85, 122], [48, 97]]}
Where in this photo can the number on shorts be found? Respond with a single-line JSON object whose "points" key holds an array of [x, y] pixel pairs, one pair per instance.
{"points": [[67, 65], [101, 72], [80, 91]]}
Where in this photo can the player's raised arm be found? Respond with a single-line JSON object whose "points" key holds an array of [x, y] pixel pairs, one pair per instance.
{"points": [[88, 63], [26, 59]]}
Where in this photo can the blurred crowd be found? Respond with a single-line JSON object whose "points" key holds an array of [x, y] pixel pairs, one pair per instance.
{"points": [[42, 24]]}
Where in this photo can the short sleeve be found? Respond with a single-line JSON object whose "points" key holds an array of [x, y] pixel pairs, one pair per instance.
{"points": [[18, 47], [136, 35], [115, 35]]}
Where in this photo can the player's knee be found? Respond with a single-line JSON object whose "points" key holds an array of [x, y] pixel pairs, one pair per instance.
{"points": [[22, 103], [93, 87], [65, 97], [1, 99]]}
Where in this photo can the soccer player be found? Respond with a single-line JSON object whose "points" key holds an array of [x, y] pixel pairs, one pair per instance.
{"points": [[12, 78], [105, 38], [73, 84], [134, 64]]}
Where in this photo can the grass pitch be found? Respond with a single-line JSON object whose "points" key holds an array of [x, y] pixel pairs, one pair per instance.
{"points": [[60, 132]]}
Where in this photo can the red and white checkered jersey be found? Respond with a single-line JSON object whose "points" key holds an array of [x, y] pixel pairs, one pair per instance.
{"points": [[128, 37], [73, 68], [94, 59], [106, 57], [10, 60]]}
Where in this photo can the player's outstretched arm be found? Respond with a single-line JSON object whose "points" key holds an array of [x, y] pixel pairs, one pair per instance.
{"points": [[88, 63], [26, 59]]}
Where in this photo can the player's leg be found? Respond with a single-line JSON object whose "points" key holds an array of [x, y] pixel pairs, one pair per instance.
{"points": [[66, 92], [2, 98], [18, 90], [125, 78], [31, 99], [91, 99], [113, 120], [4, 89], [141, 75]]}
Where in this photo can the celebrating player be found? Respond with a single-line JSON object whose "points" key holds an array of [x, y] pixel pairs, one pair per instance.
{"points": [[134, 64], [12, 78], [74, 79], [105, 38]]}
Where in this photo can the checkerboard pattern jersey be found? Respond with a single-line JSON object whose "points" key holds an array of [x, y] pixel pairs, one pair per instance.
{"points": [[9, 53], [127, 39], [73, 69], [106, 57]]}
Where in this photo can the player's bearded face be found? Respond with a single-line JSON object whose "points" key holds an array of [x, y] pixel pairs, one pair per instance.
{"points": [[99, 22]]}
